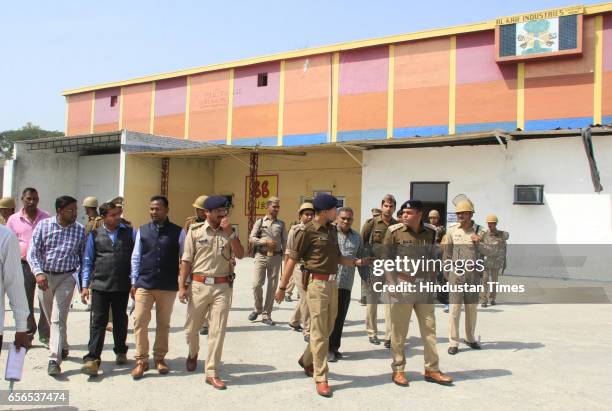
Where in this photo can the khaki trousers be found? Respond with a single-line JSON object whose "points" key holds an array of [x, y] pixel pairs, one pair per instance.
{"points": [[490, 274], [210, 301], [290, 287], [164, 303], [300, 315], [371, 318], [55, 302], [470, 322], [400, 320], [266, 268], [322, 297]]}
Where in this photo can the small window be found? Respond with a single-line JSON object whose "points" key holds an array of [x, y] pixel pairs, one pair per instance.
{"points": [[262, 79], [529, 194], [113, 101]]}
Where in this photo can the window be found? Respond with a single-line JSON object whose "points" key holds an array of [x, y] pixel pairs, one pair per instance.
{"points": [[529, 194], [113, 101], [262, 79]]}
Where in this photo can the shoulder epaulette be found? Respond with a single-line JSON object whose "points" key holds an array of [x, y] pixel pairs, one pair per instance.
{"points": [[395, 227]]}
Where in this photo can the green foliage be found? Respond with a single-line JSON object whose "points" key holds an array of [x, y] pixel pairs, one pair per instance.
{"points": [[28, 132]]}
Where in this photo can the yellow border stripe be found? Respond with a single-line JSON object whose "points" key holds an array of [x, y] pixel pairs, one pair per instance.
{"points": [[93, 112], [391, 91], [152, 114], [121, 108], [598, 84], [230, 107], [187, 106], [520, 96], [334, 96], [281, 104], [452, 85]]}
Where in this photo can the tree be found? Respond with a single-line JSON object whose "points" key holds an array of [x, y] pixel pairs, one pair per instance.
{"points": [[28, 132]]}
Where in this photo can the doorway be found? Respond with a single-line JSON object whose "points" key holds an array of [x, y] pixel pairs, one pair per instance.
{"points": [[433, 195]]}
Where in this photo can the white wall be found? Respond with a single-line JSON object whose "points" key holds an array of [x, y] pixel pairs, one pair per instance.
{"points": [[572, 212], [98, 176]]}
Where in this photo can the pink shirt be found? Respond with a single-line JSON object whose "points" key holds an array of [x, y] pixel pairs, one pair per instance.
{"points": [[21, 226]]}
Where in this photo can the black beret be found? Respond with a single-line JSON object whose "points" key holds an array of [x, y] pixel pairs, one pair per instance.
{"points": [[213, 202], [412, 204], [324, 202]]}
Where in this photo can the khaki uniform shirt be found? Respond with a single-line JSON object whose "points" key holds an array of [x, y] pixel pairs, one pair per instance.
{"points": [[457, 245], [92, 224], [496, 243], [208, 250], [373, 234], [192, 220], [318, 246], [2, 221], [269, 229]]}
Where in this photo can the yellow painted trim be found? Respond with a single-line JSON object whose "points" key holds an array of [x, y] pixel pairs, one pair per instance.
{"points": [[598, 84], [121, 108], [391, 91], [452, 85], [187, 106], [598, 8], [520, 96], [152, 114], [66, 115], [93, 112], [335, 95], [281, 104], [230, 107]]}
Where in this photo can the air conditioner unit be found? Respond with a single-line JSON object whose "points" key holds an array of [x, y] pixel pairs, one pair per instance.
{"points": [[529, 194]]}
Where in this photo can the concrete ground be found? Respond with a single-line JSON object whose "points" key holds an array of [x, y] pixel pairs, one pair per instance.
{"points": [[533, 357]]}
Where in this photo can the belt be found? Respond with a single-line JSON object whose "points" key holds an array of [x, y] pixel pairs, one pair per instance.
{"points": [[209, 280], [266, 253], [323, 277], [59, 272]]}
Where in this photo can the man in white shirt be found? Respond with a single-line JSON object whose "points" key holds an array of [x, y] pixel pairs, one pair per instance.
{"points": [[11, 283]]}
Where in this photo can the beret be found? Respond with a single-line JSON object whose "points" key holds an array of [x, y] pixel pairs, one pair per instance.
{"points": [[412, 204], [324, 202], [213, 202]]}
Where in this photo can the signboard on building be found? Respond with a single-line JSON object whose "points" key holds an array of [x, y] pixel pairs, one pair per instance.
{"points": [[266, 186], [542, 34]]}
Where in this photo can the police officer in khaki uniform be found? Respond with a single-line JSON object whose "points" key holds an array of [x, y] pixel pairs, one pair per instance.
{"points": [[434, 222], [376, 212], [495, 261], [206, 258], [269, 238], [462, 242], [7, 209], [412, 239], [300, 320], [372, 234], [91, 210], [316, 243]]}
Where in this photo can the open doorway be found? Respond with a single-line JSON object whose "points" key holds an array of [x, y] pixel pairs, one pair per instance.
{"points": [[433, 195]]}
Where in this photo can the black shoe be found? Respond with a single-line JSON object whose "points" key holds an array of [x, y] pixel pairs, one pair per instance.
{"points": [[374, 340], [64, 354], [253, 316], [473, 345], [288, 298], [54, 369], [307, 338], [387, 343], [338, 354], [268, 321], [331, 357], [453, 350], [362, 301], [492, 303], [484, 305], [297, 327], [204, 331]]}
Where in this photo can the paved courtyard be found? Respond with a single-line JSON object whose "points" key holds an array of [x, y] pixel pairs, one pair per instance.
{"points": [[533, 357]]}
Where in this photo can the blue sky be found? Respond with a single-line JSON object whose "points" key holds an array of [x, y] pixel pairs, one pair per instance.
{"points": [[51, 46]]}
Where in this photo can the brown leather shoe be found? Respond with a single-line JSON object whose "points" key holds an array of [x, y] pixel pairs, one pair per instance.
{"points": [[162, 367], [438, 377], [216, 383], [191, 363], [323, 389], [139, 369], [399, 378], [308, 370]]}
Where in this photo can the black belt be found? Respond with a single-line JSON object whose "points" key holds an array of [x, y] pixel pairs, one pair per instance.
{"points": [[266, 253], [59, 272]]}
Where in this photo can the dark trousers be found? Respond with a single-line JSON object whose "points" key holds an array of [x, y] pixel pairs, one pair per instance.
{"points": [[344, 299], [100, 303], [29, 282]]}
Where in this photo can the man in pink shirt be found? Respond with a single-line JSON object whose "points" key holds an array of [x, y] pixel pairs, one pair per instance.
{"points": [[22, 224]]}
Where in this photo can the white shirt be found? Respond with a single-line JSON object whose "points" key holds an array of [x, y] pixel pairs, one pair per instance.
{"points": [[11, 280]]}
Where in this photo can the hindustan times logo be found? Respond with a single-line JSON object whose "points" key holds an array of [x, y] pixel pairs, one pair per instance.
{"points": [[412, 266]]}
